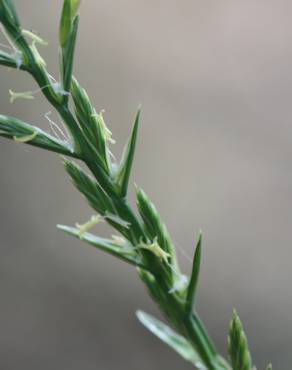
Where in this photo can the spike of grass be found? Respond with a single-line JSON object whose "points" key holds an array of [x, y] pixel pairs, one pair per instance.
{"points": [[238, 346], [142, 240]]}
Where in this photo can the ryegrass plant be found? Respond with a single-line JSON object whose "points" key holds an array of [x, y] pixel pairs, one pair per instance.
{"points": [[142, 240]]}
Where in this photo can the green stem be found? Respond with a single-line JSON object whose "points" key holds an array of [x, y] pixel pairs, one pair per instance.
{"points": [[196, 320], [200, 340]]}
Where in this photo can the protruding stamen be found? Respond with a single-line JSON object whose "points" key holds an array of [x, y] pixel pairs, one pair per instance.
{"points": [[35, 38], [155, 248], [20, 95], [83, 228], [25, 138]]}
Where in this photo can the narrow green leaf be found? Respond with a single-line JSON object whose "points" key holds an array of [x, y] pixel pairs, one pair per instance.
{"points": [[124, 170], [13, 128], [125, 253], [194, 276], [238, 346], [170, 337]]}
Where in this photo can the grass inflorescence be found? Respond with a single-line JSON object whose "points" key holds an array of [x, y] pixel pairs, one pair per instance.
{"points": [[141, 239]]}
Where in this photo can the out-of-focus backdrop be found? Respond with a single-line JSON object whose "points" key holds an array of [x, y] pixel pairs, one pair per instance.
{"points": [[215, 153]]}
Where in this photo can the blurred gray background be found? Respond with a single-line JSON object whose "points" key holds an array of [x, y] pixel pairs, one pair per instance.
{"points": [[215, 149]]}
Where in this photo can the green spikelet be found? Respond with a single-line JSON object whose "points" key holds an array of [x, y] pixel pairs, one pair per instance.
{"points": [[92, 191], [153, 224], [238, 346], [67, 37], [13, 128], [69, 13], [91, 123]]}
